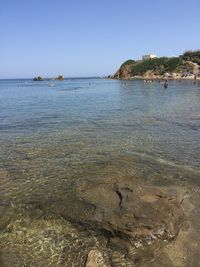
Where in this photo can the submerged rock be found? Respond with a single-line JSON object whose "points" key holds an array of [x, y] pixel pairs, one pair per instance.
{"points": [[102, 224], [95, 259], [122, 222], [133, 211], [137, 219]]}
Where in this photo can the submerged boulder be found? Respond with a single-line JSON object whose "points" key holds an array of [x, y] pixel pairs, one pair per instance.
{"points": [[95, 259], [127, 223], [134, 216]]}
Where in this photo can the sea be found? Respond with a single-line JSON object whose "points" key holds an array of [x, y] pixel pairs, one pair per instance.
{"points": [[53, 133]]}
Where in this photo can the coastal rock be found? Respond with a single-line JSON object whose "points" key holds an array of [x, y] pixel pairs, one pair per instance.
{"points": [[123, 72]]}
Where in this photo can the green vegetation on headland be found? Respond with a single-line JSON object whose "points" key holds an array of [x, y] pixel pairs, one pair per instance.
{"points": [[158, 65], [172, 67], [193, 56]]}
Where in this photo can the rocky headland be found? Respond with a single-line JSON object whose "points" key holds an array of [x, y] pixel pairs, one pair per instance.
{"points": [[183, 67]]}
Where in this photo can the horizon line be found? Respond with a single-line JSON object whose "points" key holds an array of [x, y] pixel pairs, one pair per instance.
{"points": [[72, 77]]}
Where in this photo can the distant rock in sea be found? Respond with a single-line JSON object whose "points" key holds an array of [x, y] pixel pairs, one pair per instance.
{"points": [[60, 78], [38, 78]]}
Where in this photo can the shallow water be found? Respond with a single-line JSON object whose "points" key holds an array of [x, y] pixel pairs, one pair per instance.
{"points": [[80, 129]]}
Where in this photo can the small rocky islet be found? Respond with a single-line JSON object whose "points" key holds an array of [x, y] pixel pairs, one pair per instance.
{"points": [[40, 78]]}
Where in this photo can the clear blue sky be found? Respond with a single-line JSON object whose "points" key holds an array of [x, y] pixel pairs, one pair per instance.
{"points": [[91, 37]]}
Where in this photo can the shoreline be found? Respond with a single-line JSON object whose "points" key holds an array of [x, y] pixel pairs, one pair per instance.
{"points": [[156, 78]]}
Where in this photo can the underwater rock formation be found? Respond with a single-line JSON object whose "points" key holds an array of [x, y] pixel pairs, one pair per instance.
{"points": [[138, 215]]}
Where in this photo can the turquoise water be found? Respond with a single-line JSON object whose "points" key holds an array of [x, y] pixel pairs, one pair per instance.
{"points": [[135, 117], [97, 121], [53, 135]]}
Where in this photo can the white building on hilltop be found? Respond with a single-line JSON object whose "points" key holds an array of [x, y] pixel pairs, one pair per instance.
{"points": [[149, 56]]}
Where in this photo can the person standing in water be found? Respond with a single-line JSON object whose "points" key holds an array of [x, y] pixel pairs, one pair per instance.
{"points": [[165, 84], [195, 78]]}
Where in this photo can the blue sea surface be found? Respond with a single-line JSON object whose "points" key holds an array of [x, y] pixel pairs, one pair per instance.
{"points": [[130, 117]]}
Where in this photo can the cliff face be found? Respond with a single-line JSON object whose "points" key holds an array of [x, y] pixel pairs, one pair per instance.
{"points": [[124, 72], [186, 63]]}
